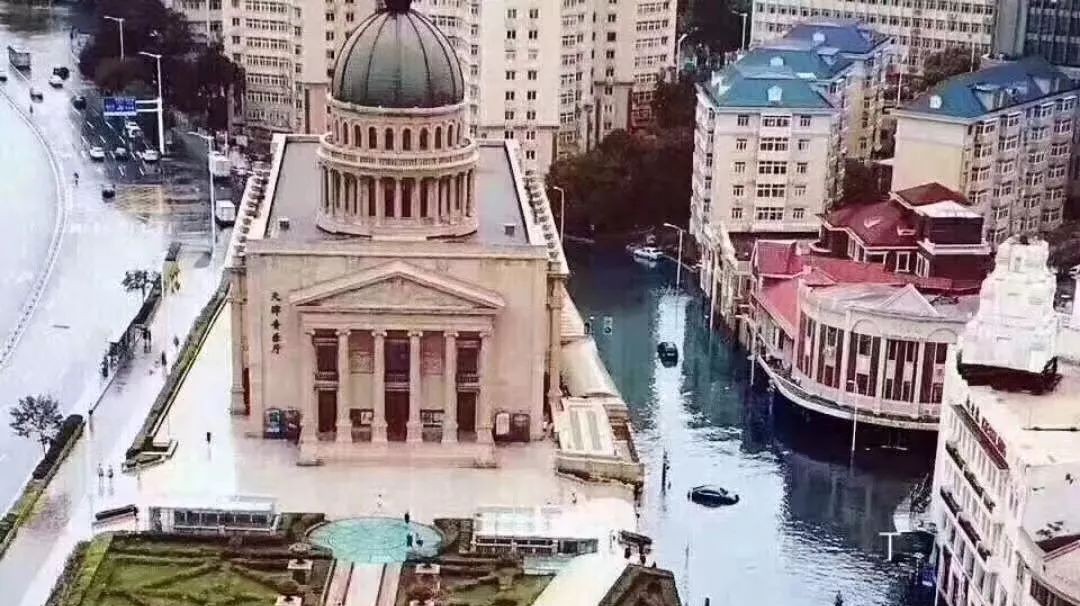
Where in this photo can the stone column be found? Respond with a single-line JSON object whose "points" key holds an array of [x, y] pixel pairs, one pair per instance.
{"points": [[379, 202], [397, 198], [344, 424], [483, 401], [378, 387], [554, 351], [916, 392], [413, 427], [450, 425], [414, 198], [883, 354], [325, 189], [310, 423]]}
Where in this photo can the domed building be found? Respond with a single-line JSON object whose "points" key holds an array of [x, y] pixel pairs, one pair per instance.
{"points": [[394, 280]]}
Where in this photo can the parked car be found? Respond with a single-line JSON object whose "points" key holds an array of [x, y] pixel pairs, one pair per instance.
{"points": [[108, 190], [97, 153], [121, 153], [151, 155], [56, 81], [36, 94], [61, 71], [79, 102]]}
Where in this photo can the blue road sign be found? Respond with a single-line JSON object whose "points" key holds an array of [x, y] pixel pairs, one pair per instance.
{"points": [[119, 106]]}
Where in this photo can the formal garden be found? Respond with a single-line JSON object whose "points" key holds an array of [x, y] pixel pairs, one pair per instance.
{"points": [[151, 569], [460, 577]]}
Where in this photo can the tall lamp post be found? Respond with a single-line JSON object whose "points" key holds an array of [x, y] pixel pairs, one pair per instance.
{"points": [[213, 203], [120, 23], [160, 104], [562, 211], [678, 262]]}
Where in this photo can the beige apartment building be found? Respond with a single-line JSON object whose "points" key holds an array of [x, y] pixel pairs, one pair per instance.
{"points": [[610, 56], [917, 27], [1003, 136]]}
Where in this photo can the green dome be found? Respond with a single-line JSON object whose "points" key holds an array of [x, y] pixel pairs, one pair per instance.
{"points": [[397, 58]]}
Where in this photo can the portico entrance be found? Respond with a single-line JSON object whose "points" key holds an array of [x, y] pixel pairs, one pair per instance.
{"points": [[397, 415], [327, 410]]}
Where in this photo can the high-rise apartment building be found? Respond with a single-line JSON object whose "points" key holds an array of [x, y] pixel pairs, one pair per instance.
{"points": [[917, 27], [1003, 136], [1006, 476], [1046, 28], [556, 75]]}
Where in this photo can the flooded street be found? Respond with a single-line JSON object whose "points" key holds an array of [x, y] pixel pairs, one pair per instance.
{"points": [[807, 524]]}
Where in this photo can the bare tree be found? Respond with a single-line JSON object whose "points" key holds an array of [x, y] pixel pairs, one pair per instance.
{"points": [[37, 418]]}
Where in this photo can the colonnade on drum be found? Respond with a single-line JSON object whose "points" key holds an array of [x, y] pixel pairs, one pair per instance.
{"points": [[362, 198]]}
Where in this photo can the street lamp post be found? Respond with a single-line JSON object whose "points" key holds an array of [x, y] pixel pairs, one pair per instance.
{"points": [[678, 262], [678, 53], [562, 212], [120, 23], [160, 104], [213, 204]]}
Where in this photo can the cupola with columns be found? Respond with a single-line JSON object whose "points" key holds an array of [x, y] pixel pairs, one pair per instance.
{"points": [[397, 162]]}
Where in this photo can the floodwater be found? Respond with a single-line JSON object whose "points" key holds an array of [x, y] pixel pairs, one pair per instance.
{"points": [[808, 522]]}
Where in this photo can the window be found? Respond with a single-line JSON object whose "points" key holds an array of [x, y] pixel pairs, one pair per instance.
{"points": [[509, 95], [740, 167], [1012, 120], [740, 144], [903, 262], [770, 167], [922, 266], [738, 191], [1007, 166], [798, 213], [611, 36], [773, 144], [771, 190], [800, 191], [801, 167], [775, 121], [511, 74], [804, 144], [1062, 126], [511, 34], [985, 128], [532, 74], [769, 213], [804, 121], [742, 120], [736, 213]]}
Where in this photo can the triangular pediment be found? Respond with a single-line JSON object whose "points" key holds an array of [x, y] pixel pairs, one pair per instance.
{"points": [[909, 301], [399, 286]]}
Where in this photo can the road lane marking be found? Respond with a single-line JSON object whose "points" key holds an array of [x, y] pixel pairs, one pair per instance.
{"points": [[102, 139], [121, 169]]}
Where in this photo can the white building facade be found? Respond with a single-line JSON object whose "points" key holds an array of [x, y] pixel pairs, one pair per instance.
{"points": [[1006, 498]]}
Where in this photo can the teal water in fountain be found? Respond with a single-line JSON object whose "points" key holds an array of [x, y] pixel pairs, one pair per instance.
{"points": [[377, 540]]}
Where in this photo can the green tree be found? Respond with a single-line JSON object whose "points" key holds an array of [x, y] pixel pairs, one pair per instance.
{"points": [[716, 24], [862, 184], [947, 63], [37, 418], [674, 103], [139, 279]]}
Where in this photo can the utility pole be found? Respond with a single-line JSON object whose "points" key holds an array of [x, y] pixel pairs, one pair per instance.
{"points": [[120, 22], [160, 104]]}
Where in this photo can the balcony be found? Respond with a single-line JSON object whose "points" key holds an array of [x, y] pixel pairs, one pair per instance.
{"points": [[330, 376], [950, 502], [399, 160], [464, 377], [991, 452]]}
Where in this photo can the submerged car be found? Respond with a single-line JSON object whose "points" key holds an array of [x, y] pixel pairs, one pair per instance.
{"points": [[712, 496], [79, 102], [97, 153], [108, 190]]}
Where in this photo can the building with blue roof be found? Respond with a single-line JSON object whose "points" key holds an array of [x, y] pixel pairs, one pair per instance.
{"points": [[1002, 135]]}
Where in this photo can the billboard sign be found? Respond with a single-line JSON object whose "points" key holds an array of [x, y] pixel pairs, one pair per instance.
{"points": [[119, 106]]}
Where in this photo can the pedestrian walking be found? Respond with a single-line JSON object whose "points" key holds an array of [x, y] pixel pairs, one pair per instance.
{"points": [[163, 360], [176, 342], [110, 474], [100, 473], [208, 438]]}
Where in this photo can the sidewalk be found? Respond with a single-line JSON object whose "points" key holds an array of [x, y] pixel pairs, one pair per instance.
{"points": [[32, 563]]}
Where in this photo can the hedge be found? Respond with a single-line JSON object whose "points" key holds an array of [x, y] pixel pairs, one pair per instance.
{"points": [[195, 337]]}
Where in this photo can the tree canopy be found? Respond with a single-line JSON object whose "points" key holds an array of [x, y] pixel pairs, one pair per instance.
{"points": [[633, 180], [196, 78], [862, 184], [947, 63], [717, 24], [37, 418]]}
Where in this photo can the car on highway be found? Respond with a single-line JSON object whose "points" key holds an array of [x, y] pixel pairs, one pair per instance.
{"points": [[61, 71], [108, 190], [132, 129], [79, 102], [56, 81], [3, 75], [97, 153], [121, 153], [151, 155], [36, 94]]}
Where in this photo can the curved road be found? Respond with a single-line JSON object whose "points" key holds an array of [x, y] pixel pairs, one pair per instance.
{"points": [[30, 205]]}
